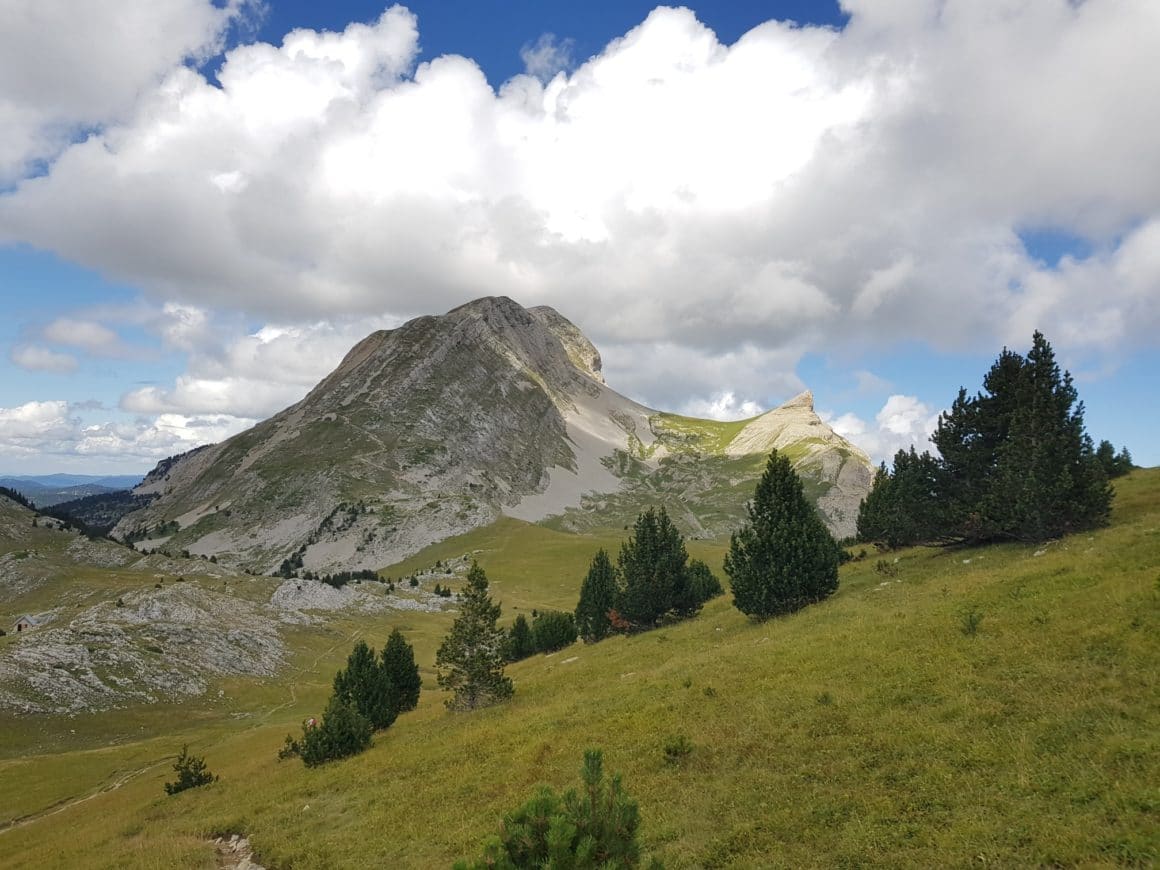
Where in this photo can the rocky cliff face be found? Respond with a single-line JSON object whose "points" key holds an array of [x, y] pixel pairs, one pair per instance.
{"points": [[446, 423]]}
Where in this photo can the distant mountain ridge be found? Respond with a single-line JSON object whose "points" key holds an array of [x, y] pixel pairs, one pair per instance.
{"points": [[48, 490], [449, 422], [57, 481]]}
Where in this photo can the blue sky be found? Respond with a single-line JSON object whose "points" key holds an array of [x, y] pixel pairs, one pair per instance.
{"points": [[200, 213]]}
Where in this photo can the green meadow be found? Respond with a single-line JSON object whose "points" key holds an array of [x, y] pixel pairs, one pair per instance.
{"points": [[991, 707]]}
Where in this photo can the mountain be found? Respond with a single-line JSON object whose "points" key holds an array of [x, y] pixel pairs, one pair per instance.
{"points": [[449, 422], [48, 490]]}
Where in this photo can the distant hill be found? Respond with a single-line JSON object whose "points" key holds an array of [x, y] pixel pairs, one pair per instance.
{"points": [[96, 514], [47, 490]]}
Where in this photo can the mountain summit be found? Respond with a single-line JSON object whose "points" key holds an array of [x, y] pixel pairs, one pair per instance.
{"points": [[448, 422]]}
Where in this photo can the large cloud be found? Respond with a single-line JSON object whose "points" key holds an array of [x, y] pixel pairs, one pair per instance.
{"points": [[66, 65], [53, 432], [250, 375], [729, 205]]}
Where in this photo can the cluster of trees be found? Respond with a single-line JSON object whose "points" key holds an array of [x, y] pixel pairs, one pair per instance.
{"points": [[653, 581], [1114, 464], [172, 527], [594, 828], [96, 515], [1014, 464], [369, 694], [17, 497], [548, 631], [342, 577]]}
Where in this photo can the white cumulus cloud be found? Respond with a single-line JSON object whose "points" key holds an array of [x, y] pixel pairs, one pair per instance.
{"points": [[723, 406], [52, 434], [902, 423], [706, 213], [66, 66]]}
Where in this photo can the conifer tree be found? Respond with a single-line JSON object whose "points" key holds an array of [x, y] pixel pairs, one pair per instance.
{"points": [[594, 829], [703, 583], [398, 662], [1114, 464], [652, 570], [783, 557], [191, 772], [968, 439], [872, 511], [367, 687], [903, 506], [1048, 480], [553, 630], [520, 643], [597, 597], [471, 658], [342, 732]]}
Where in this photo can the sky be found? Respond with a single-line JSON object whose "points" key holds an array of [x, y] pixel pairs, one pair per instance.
{"points": [[204, 205]]}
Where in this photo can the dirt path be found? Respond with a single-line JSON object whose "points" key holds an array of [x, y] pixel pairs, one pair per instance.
{"points": [[104, 788], [123, 778], [303, 670]]}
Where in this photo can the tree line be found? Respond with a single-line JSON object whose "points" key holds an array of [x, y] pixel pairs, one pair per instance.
{"points": [[1014, 463], [368, 695]]}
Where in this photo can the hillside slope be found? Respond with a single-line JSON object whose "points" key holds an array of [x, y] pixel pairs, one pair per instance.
{"points": [[876, 729], [113, 628], [448, 423]]}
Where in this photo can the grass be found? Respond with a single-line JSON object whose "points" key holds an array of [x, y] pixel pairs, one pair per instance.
{"points": [[693, 433], [869, 730]]}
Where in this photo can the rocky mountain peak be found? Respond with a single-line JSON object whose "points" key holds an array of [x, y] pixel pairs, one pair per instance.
{"points": [[448, 422], [804, 400], [580, 350]]}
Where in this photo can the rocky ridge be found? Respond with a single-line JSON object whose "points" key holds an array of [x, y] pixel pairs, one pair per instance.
{"points": [[112, 627]]}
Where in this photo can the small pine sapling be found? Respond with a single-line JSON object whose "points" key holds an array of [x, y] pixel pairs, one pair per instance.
{"points": [[191, 772]]}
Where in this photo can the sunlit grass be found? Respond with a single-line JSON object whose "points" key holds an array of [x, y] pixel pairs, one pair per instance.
{"points": [[869, 730]]}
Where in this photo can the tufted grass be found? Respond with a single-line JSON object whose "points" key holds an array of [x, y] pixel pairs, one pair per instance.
{"points": [[869, 730]]}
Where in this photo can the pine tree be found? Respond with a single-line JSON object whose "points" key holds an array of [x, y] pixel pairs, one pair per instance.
{"points": [[703, 583], [1123, 463], [553, 630], [783, 557], [1048, 480], [873, 509], [1114, 464], [367, 687], [398, 662], [652, 569], [968, 439], [471, 658], [191, 772], [904, 506], [520, 643], [1015, 460], [597, 597], [595, 829], [343, 732]]}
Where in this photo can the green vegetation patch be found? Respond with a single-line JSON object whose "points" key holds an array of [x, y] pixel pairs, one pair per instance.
{"points": [[867, 730]]}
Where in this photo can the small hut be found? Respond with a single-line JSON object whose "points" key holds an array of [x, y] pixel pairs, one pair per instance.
{"points": [[25, 623]]}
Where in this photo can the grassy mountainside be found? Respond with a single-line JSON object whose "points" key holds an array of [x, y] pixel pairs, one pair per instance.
{"points": [[875, 729]]}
